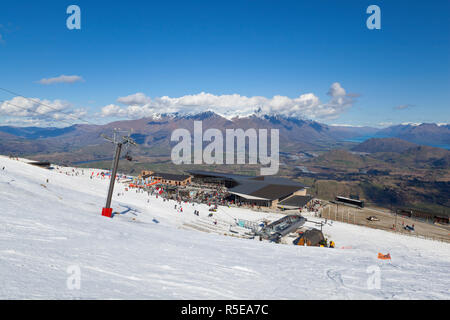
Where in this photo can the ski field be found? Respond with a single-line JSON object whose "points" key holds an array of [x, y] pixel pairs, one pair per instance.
{"points": [[152, 251]]}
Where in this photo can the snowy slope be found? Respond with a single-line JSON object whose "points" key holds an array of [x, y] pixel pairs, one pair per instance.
{"points": [[46, 228]]}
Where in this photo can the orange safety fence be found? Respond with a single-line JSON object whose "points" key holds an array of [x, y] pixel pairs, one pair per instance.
{"points": [[154, 182], [384, 256], [131, 185]]}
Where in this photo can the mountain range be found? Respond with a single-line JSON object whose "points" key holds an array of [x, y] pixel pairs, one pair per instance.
{"points": [[153, 135]]}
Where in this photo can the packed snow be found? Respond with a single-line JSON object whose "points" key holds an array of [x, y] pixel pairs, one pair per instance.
{"points": [[52, 233]]}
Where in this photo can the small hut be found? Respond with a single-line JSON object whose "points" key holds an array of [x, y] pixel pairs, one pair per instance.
{"points": [[312, 237]]}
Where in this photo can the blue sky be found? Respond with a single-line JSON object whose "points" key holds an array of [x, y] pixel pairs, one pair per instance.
{"points": [[179, 49]]}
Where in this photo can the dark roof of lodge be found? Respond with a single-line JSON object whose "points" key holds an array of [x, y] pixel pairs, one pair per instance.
{"points": [[266, 191], [40, 163], [296, 201], [248, 179], [266, 187], [168, 176]]}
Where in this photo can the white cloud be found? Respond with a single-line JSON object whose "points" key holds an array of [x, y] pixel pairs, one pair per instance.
{"points": [[403, 106], [112, 110], [24, 122], [22, 107], [3, 30], [306, 105], [385, 124], [36, 109], [61, 79], [346, 125], [336, 90], [135, 99], [415, 124]]}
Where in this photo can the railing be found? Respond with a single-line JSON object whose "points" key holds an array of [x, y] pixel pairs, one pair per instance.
{"points": [[254, 226], [346, 217]]}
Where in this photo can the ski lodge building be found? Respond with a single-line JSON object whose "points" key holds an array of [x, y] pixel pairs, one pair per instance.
{"points": [[167, 178], [265, 191]]}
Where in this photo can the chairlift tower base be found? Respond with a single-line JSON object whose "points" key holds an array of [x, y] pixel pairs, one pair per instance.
{"points": [[107, 212]]}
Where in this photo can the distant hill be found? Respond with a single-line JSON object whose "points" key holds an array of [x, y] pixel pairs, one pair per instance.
{"points": [[384, 145], [338, 158], [11, 144], [426, 153], [36, 132], [419, 156], [425, 133], [389, 153]]}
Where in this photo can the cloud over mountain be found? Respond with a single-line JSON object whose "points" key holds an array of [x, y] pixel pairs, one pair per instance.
{"points": [[307, 105], [38, 109]]}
